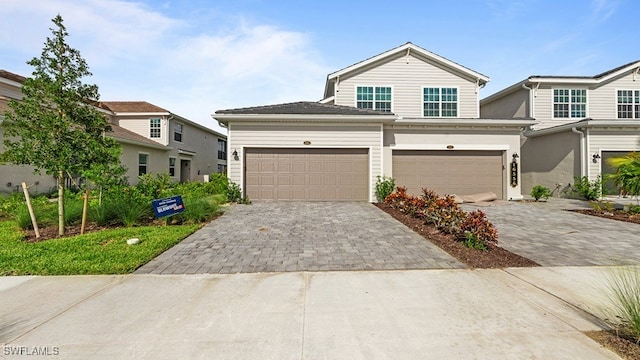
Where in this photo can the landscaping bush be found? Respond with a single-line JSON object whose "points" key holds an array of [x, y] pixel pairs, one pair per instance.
{"points": [[429, 196], [73, 211], [153, 186], [482, 231], [122, 205], [197, 210], [623, 289], [384, 187], [446, 215], [585, 189], [540, 192], [398, 198], [234, 194]]}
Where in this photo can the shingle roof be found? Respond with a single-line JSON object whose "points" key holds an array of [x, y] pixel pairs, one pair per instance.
{"points": [[595, 77], [11, 76], [302, 108], [133, 107], [118, 132]]}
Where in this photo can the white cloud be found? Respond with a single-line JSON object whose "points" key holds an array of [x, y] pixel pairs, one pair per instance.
{"points": [[139, 53]]}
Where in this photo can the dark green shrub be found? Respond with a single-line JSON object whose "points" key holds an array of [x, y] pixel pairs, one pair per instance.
{"points": [[384, 187], [471, 240], [197, 210], [73, 211], [234, 194], [634, 209], [540, 192], [585, 189], [122, 205], [135, 213], [153, 186]]}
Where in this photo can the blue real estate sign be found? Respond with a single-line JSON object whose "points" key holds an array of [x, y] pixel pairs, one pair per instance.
{"points": [[168, 206]]}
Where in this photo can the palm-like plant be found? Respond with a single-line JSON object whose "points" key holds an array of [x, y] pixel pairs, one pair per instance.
{"points": [[627, 174]]}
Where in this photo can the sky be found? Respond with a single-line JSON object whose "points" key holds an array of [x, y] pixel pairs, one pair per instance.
{"points": [[193, 57]]}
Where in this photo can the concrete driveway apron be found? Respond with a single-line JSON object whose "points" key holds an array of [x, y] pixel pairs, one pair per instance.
{"points": [[301, 236], [552, 236]]}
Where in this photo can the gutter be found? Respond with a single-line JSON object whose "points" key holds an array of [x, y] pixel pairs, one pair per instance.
{"points": [[583, 157]]}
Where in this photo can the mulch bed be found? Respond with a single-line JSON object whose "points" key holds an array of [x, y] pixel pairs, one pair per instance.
{"points": [[615, 215], [473, 258], [51, 232], [625, 348]]}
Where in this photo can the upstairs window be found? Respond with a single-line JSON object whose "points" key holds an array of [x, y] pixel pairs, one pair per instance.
{"points": [[628, 104], [222, 150], [569, 103], [374, 98], [177, 132], [439, 102], [154, 128]]}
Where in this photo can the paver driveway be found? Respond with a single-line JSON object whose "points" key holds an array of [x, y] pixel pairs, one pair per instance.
{"points": [[296, 236], [551, 236]]}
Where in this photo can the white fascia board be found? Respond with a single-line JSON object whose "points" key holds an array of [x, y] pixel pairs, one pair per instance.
{"points": [[225, 118], [457, 122], [448, 147], [327, 100], [411, 48], [563, 80]]}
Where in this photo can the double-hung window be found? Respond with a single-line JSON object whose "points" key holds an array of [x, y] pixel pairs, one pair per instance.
{"points": [[143, 162], [569, 103], [154, 128], [222, 150], [628, 104], [374, 97], [177, 132], [172, 166], [439, 102]]}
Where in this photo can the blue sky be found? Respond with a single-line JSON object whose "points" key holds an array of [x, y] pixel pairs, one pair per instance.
{"points": [[194, 57]]}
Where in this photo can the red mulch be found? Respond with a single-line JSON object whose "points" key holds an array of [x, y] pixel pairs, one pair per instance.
{"points": [[473, 258]]}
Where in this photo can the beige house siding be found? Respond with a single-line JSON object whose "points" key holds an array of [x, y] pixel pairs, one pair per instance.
{"points": [[202, 144], [514, 105], [158, 161], [140, 126], [289, 135], [418, 139], [407, 75], [603, 99], [550, 160], [10, 91]]}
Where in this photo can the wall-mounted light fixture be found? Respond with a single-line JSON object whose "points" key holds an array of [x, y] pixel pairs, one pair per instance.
{"points": [[515, 156], [9, 184], [235, 154], [596, 157]]}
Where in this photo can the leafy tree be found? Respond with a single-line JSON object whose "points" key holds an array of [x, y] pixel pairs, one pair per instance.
{"points": [[57, 126], [627, 174]]}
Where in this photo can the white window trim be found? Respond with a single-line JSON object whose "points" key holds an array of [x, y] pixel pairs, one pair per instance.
{"points": [[440, 102], [147, 164], [181, 132], [174, 166], [615, 103], [159, 127], [586, 104], [355, 95]]}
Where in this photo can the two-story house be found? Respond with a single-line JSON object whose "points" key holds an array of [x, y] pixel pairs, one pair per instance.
{"points": [[406, 113], [582, 122], [153, 140]]}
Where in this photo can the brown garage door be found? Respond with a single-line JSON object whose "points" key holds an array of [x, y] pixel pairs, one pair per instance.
{"points": [[449, 172], [307, 174]]}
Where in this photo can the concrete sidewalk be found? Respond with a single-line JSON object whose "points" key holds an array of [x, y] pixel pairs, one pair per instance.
{"points": [[532, 313]]}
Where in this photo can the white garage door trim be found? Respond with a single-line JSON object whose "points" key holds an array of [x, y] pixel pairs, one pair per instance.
{"points": [[301, 182], [469, 147]]}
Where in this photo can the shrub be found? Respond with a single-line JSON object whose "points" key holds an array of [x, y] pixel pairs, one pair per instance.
{"points": [[624, 295], [398, 198], [471, 241], [384, 187], [602, 206], [634, 209], [588, 190], [483, 231], [234, 194], [73, 211], [154, 186], [429, 196], [445, 214], [540, 192], [198, 210]]}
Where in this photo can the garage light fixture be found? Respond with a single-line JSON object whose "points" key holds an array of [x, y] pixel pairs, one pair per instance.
{"points": [[515, 156], [596, 157]]}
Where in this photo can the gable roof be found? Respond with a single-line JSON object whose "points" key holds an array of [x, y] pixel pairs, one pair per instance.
{"points": [[4, 74], [303, 110], [409, 49], [562, 79], [132, 107]]}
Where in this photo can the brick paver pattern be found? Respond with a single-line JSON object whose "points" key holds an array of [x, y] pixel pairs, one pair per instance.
{"points": [[301, 236]]}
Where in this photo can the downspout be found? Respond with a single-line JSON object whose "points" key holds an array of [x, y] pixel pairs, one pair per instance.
{"points": [[582, 152]]}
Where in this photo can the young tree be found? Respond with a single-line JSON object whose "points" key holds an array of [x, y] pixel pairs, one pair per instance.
{"points": [[57, 126]]}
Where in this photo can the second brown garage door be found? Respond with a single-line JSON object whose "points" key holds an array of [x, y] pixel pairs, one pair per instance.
{"points": [[449, 172], [307, 174]]}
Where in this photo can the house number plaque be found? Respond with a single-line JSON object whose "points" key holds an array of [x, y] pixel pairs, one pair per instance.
{"points": [[514, 173]]}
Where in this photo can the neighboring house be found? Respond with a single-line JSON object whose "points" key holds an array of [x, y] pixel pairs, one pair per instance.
{"points": [[406, 113], [582, 122], [177, 146], [192, 149]]}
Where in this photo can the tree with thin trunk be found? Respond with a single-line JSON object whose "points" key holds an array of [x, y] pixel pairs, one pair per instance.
{"points": [[57, 125]]}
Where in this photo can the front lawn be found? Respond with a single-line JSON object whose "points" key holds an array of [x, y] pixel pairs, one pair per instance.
{"points": [[104, 252]]}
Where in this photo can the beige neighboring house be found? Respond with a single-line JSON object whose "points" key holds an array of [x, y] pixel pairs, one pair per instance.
{"points": [[406, 113], [198, 153], [582, 122]]}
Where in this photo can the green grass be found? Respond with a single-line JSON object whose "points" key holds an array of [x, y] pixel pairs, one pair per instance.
{"points": [[104, 252]]}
